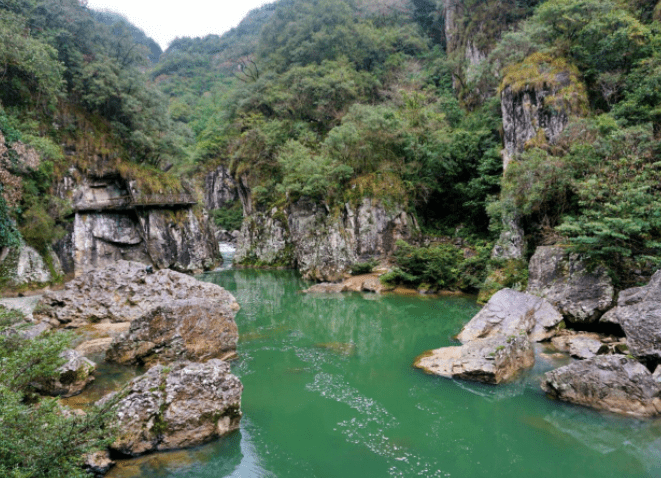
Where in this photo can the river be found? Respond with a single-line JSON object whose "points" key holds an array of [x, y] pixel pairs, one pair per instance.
{"points": [[330, 392]]}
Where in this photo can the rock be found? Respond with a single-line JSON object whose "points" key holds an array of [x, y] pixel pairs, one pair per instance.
{"points": [[491, 360], [511, 244], [122, 292], [323, 244], [583, 345], [657, 374], [638, 313], [510, 312], [106, 229], [74, 376], [358, 283], [23, 265], [98, 463], [608, 382], [220, 189], [326, 288], [94, 346], [177, 407], [564, 280], [195, 329]]}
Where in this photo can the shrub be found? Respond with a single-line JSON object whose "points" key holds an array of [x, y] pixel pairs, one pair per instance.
{"points": [[363, 267]]}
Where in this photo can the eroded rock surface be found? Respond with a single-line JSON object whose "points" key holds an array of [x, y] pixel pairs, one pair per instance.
{"points": [[74, 375], [181, 406], [323, 244], [566, 282], [123, 292], [638, 313], [491, 360], [609, 382], [182, 330], [510, 312]]}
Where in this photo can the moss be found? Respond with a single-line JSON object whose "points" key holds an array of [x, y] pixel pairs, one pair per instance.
{"points": [[540, 72]]}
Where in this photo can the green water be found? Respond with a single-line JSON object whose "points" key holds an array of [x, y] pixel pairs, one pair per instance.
{"points": [[330, 392]]}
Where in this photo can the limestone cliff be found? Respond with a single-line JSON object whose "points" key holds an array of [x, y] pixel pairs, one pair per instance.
{"points": [[111, 224], [323, 243]]}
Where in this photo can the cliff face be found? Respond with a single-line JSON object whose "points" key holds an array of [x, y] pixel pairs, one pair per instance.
{"points": [[108, 226], [322, 244]]}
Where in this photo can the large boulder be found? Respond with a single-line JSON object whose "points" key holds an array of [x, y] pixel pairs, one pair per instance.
{"points": [[123, 292], [510, 312], [492, 360], [638, 313], [194, 329], [607, 382], [23, 265], [579, 293], [180, 406]]}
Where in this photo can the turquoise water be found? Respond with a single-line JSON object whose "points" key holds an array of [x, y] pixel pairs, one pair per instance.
{"points": [[329, 391]]}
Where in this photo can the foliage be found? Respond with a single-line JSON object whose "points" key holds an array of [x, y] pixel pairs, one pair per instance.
{"points": [[9, 236], [229, 217], [363, 267], [37, 438]]}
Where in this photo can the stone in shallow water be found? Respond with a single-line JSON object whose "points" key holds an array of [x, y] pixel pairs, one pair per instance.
{"points": [[492, 360], [176, 407], [73, 377], [607, 382]]}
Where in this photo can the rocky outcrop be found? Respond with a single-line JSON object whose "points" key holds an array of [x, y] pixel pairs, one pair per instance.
{"points": [[24, 265], [638, 313], [180, 406], [322, 244], [193, 329], [510, 312], [490, 360], [580, 294], [512, 242], [123, 292], [115, 221], [610, 382], [357, 283], [220, 188], [73, 376]]}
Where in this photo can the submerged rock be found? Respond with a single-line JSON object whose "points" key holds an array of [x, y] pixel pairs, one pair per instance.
{"points": [[638, 313], [491, 360], [123, 292], [176, 407], [510, 312], [195, 330], [562, 278], [610, 382]]}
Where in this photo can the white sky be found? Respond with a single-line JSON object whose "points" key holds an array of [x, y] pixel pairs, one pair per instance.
{"points": [[189, 18]]}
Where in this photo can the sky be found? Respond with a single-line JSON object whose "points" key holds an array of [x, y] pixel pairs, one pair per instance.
{"points": [[190, 18]]}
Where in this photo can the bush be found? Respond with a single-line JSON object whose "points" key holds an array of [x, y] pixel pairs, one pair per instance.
{"points": [[363, 267], [228, 218], [37, 439]]}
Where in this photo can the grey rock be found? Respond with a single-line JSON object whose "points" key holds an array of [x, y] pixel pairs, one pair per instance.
{"points": [[566, 282], [220, 188], [322, 243], [584, 347], [74, 375], [511, 243], [606, 382], [638, 313], [326, 288], [123, 292], [510, 312], [98, 463], [177, 407], [193, 329], [492, 360], [524, 115], [24, 265], [657, 374]]}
